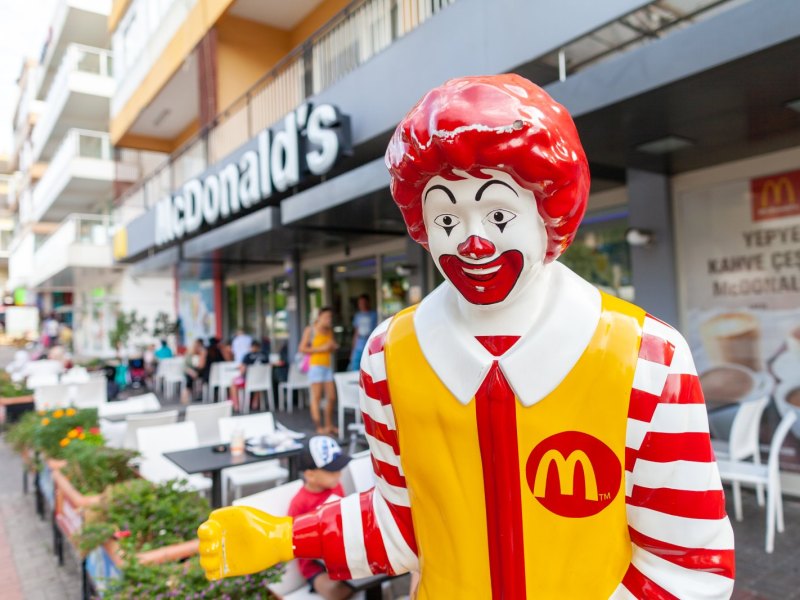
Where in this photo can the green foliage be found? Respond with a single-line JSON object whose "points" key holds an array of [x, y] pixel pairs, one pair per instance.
{"points": [[186, 580], [92, 469], [144, 516], [164, 326], [21, 434], [56, 424], [126, 325], [11, 389]]}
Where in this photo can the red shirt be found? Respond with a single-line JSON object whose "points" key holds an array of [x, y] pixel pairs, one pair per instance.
{"points": [[306, 501]]}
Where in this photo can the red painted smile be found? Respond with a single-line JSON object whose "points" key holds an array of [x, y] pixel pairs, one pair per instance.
{"points": [[484, 283]]}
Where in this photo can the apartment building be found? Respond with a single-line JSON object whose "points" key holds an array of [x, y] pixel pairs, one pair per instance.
{"points": [[67, 174]]}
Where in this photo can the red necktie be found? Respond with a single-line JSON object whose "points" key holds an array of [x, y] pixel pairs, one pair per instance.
{"points": [[497, 436]]}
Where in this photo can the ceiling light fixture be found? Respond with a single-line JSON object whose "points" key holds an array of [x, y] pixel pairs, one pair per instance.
{"points": [[665, 145]]}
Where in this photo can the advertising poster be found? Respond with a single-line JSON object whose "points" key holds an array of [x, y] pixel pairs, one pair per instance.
{"points": [[196, 309], [739, 254]]}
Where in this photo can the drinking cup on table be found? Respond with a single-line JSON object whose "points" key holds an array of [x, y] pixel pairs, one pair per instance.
{"points": [[237, 443]]}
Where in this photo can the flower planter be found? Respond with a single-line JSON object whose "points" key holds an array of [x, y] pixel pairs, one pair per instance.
{"points": [[70, 505], [46, 483], [105, 562], [15, 406]]}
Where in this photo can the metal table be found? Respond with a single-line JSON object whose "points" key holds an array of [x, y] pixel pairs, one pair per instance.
{"points": [[205, 460]]}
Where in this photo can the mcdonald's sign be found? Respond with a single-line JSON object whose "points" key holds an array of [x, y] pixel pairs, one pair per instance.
{"points": [[573, 474], [775, 196]]}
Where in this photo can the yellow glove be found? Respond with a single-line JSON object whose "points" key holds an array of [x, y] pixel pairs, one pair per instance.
{"points": [[239, 540]]}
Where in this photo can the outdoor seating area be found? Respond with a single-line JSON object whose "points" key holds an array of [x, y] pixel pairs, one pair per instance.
{"points": [[215, 452]]}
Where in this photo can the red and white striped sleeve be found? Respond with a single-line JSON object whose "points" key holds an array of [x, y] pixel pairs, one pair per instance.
{"points": [[369, 533], [682, 538]]}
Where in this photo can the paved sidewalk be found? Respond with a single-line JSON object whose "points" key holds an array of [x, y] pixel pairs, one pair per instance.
{"points": [[29, 541]]}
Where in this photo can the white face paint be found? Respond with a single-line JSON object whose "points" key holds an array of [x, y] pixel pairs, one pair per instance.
{"points": [[485, 235]]}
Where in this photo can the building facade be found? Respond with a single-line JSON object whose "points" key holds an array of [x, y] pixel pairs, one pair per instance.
{"points": [[689, 112], [67, 173]]}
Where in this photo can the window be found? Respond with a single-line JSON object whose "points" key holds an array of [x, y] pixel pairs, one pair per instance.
{"points": [[601, 255]]}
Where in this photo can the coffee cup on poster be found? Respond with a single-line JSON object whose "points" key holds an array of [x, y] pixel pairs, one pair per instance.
{"points": [[793, 341], [733, 338], [728, 384]]}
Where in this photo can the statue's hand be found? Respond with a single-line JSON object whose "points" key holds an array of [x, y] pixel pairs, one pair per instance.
{"points": [[239, 540]]}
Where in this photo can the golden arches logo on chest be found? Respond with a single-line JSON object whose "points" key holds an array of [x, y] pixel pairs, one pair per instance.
{"points": [[573, 474]]}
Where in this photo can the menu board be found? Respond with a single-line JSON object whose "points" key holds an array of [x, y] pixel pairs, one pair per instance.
{"points": [[739, 260]]}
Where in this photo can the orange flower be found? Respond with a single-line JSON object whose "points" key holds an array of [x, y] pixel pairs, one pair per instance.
{"points": [[58, 414], [64, 442], [72, 434], [82, 436], [70, 412], [45, 421]]}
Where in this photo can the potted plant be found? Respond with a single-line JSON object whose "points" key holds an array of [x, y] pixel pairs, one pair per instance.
{"points": [[15, 398], [88, 471], [186, 580], [155, 523], [127, 325]]}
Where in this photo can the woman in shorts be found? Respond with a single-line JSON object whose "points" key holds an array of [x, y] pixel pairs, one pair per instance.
{"points": [[318, 343]]}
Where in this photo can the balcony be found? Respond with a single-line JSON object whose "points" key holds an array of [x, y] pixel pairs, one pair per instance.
{"points": [[20, 260], [80, 178], [352, 38], [79, 97], [74, 22], [81, 242]]}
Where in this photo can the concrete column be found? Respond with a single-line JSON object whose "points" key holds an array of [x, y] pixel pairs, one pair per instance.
{"points": [[294, 310], [654, 277]]}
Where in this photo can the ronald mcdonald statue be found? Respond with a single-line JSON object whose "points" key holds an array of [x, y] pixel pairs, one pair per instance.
{"points": [[531, 436]]}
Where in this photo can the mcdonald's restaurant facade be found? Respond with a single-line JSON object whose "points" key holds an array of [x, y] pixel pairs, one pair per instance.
{"points": [[693, 140]]}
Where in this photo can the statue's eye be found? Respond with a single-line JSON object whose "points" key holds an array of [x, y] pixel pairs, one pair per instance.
{"points": [[447, 222], [500, 218]]}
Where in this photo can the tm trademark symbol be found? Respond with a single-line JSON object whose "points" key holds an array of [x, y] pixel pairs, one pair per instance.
{"points": [[606, 496]]}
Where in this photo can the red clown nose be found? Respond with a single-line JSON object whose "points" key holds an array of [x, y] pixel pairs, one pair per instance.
{"points": [[476, 247]]}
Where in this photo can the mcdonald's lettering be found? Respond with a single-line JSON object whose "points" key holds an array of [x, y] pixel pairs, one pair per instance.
{"points": [[573, 474], [775, 196]]}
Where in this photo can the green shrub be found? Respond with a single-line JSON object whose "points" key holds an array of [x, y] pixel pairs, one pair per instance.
{"points": [[91, 469], [144, 516], [54, 425], [186, 580]]}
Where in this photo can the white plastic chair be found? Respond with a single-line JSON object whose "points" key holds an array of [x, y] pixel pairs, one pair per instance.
{"points": [[48, 397], [347, 395], [40, 380], [221, 376], [257, 379], [742, 443], [171, 376], [43, 367], [166, 365], [90, 394], [206, 418], [134, 405], [358, 476], [75, 375], [769, 475], [270, 471], [295, 382], [155, 441], [133, 423]]}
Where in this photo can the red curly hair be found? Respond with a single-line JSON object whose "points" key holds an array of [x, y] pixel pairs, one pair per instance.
{"points": [[501, 122]]}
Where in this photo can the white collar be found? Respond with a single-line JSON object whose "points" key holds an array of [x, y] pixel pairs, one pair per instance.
{"points": [[535, 365]]}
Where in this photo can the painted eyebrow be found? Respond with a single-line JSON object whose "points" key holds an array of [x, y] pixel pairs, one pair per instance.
{"points": [[444, 189], [482, 189]]}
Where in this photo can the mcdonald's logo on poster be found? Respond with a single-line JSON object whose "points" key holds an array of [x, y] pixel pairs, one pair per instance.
{"points": [[573, 474], [775, 196]]}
